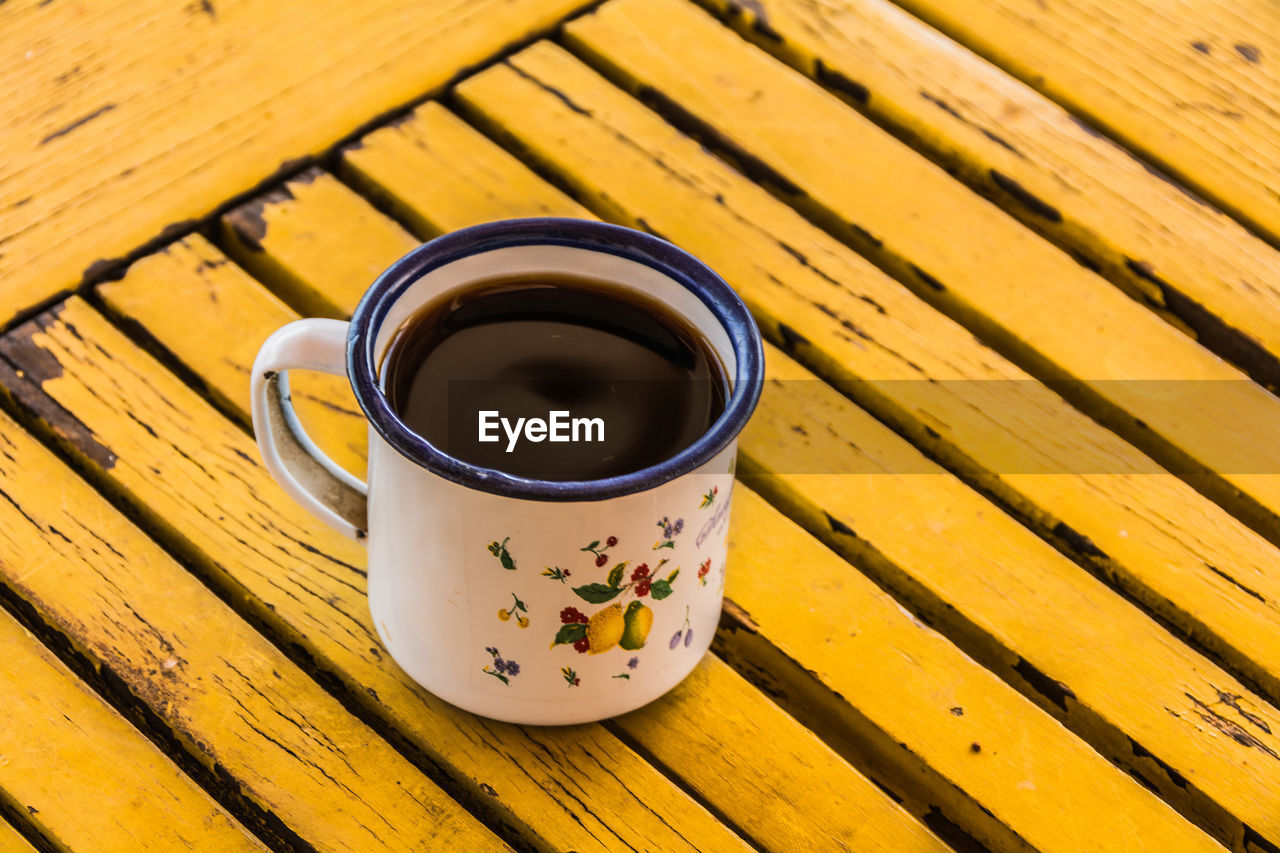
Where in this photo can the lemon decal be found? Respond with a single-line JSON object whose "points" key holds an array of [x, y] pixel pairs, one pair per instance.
{"points": [[604, 629], [636, 623]]}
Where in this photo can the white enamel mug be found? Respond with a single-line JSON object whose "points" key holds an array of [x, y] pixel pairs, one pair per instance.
{"points": [[530, 601]]}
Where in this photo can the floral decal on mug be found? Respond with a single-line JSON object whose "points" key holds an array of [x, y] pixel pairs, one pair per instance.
{"points": [[518, 610], [556, 573], [501, 669], [685, 633], [613, 625], [670, 530], [710, 497], [703, 570], [600, 552], [499, 550], [570, 676]]}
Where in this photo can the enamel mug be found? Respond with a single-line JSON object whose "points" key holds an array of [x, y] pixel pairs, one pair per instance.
{"points": [[530, 601]]}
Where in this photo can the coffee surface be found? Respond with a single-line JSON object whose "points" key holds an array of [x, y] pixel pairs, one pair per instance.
{"points": [[554, 379]]}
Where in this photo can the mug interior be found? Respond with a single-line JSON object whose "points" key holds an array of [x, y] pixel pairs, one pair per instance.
{"points": [[626, 259], [556, 261]]}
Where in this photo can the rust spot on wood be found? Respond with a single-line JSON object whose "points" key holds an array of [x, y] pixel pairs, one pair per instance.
{"points": [[927, 279], [1025, 197], [1203, 47], [1055, 691], [102, 269], [1232, 700], [25, 368], [1089, 129], [839, 526], [957, 711], [1210, 329], [247, 220], [1249, 52], [838, 82], [790, 337], [749, 164], [758, 17], [870, 239], [955, 114], [975, 747], [80, 122], [1077, 541], [1229, 579], [174, 230], [740, 616], [1230, 727]]}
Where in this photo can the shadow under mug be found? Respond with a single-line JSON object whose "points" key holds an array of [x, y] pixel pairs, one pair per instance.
{"points": [[530, 601]]}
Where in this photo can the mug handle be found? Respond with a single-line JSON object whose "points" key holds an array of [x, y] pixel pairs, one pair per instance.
{"points": [[314, 480]]}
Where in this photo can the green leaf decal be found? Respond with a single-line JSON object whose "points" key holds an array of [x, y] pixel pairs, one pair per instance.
{"points": [[591, 547], [615, 576], [570, 633], [596, 593], [671, 578], [661, 589]]}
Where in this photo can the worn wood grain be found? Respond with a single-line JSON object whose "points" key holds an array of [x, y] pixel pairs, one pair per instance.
{"points": [[958, 251], [231, 698], [166, 110], [1193, 87], [194, 476], [401, 165], [348, 274], [436, 173], [878, 683], [1079, 650], [84, 778], [1146, 531], [203, 309], [1179, 256], [749, 734]]}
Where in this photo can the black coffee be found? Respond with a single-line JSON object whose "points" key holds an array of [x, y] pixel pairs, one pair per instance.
{"points": [[555, 379]]}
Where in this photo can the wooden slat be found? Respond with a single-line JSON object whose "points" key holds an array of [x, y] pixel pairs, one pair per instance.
{"points": [[350, 273], [857, 659], [1032, 301], [935, 773], [1162, 542], [1193, 86], [1181, 257], [82, 776], [561, 115], [1078, 649], [787, 806], [193, 474], [178, 293], [123, 118], [235, 701], [438, 174]]}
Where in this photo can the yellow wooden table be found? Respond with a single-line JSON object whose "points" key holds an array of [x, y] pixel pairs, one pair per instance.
{"points": [[987, 588]]}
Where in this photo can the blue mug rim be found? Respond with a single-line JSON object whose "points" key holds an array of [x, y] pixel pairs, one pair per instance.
{"points": [[628, 243]]}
